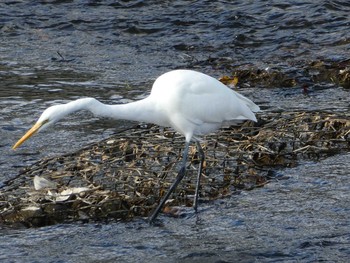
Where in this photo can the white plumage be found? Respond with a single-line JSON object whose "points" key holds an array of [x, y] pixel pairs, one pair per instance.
{"points": [[190, 102]]}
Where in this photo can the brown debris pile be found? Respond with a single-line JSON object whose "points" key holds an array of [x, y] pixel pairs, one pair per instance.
{"points": [[126, 175], [299, 73]]}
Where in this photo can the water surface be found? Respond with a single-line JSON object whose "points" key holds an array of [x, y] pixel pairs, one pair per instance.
{"points": [[302, 217], [56, 51]]}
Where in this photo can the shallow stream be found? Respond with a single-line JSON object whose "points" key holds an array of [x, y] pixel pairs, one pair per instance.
{"points": [[56, 51]]}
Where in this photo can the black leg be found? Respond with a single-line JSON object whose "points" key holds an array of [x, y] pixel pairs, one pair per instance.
{"points": [[199, 175], [178, 179]]}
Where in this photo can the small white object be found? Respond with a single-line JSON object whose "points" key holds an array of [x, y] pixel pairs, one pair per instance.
{"points": [[43, 183], [67, 193], [31, 208]]}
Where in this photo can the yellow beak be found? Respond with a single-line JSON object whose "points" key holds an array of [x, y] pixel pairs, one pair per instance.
{"points": [[29, 133]]}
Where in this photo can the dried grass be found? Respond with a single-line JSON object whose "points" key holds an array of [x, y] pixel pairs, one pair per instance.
{"points": [[126, 175]]}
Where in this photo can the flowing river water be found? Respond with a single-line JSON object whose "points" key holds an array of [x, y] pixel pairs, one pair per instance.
{"points": [[57, 51]]}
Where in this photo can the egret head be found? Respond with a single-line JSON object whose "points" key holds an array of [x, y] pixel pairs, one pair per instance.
{"points": [[47, 118]]}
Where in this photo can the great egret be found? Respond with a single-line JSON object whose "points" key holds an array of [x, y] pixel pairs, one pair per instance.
{"points": [[190, 102]]}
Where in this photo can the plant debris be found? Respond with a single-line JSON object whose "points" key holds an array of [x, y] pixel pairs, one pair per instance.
{"points": [[298, 73], [125, 175]]}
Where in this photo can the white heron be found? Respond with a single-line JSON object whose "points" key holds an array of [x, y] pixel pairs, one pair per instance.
{"points": [[190, 102]]}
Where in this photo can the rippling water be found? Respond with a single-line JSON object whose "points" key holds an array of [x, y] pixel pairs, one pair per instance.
{"points": [[59, 50], [129, 38], [303, 217]]}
